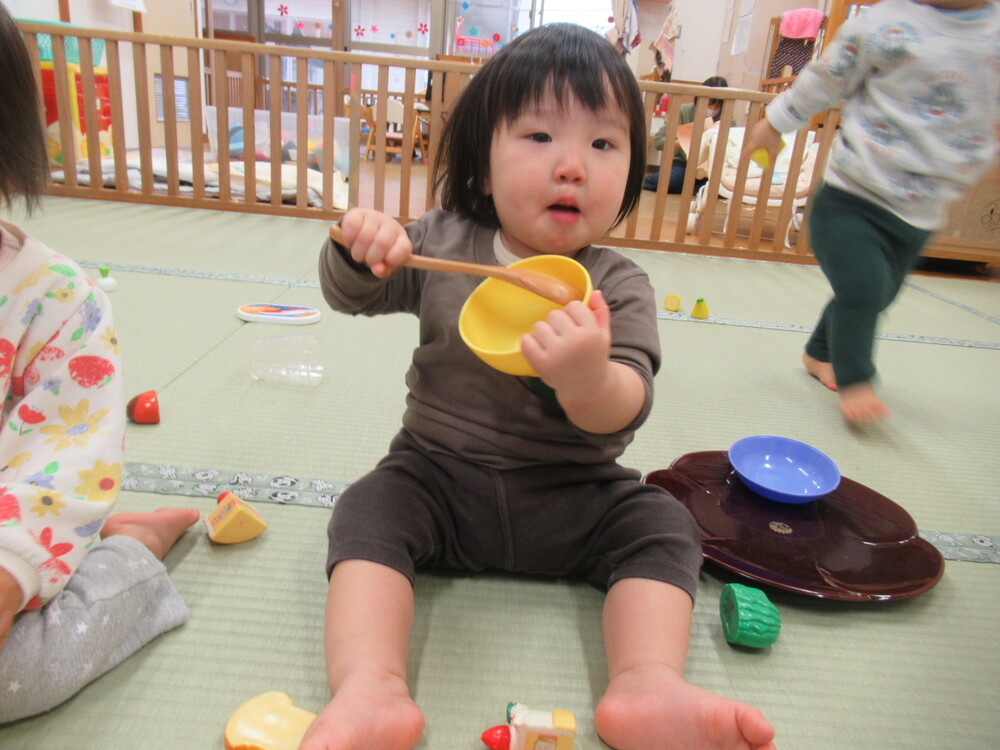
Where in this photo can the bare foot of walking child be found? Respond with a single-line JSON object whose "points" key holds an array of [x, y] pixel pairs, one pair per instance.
{"points": [[860, 405], [822, 371]]}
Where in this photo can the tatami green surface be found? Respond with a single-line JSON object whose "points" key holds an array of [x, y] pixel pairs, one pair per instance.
{"points": [[919, 673]]}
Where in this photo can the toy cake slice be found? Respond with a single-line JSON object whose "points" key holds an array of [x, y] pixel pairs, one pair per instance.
{"points": [[233, 521]]}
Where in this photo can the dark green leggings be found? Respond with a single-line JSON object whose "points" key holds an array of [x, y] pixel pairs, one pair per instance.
{"points": [[865, 252]]}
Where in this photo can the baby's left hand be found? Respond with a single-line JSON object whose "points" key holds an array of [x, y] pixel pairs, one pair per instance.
{"points": [[570, 349]]}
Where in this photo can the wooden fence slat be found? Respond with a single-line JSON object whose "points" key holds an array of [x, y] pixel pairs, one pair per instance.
{"points": [[142, 104], [116, 93], [67, 138], [195, 124], [331, 106], [274, 104], [220, 62], [691, 167], [302, 131], [167, 95], [88, 117], [381, 113], [354, 180], [666, 162], [247, 69], [406, 157]]}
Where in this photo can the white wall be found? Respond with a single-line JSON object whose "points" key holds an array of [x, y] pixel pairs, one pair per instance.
{"points": [[94, 14], [696, 53], [35, 10]]}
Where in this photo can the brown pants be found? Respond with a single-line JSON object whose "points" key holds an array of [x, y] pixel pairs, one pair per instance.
{"points": [[599, 522]]}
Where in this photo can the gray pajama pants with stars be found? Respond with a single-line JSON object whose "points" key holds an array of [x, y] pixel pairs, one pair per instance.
{"points": [[119, 599]]}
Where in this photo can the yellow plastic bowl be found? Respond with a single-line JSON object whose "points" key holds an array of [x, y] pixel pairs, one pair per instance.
{"points": [[497, 314]]}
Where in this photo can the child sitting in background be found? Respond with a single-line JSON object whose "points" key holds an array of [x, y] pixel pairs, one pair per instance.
{"points": [[920, 86], [678, 167], [543, 153], [78, 594]]}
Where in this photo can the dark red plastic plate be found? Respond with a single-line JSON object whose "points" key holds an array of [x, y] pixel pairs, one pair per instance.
{"points": [[851, 545]]}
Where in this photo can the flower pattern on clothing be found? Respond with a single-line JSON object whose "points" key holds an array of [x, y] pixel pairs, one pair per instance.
{"points": [[62, 418]]}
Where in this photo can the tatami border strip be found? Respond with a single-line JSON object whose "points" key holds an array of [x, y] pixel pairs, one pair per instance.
{"points": [[285, 489], [910, 338], [299, 283], [955, 303]]}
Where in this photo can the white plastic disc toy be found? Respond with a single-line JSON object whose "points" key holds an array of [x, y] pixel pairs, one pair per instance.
{"points": [[286, 314]]}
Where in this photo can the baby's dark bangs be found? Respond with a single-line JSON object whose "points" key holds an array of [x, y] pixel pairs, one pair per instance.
{"points": [[561, 60]]}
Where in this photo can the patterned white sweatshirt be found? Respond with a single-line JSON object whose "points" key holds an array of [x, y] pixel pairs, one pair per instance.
{"points": [[921, 105], [62, 422]]}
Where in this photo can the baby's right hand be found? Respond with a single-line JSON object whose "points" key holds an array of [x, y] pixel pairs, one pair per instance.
{"points": [[375, 239]]}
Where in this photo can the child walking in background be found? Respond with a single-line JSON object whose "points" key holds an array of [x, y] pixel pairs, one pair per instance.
{"points": [[920, 86], [79, 592], [543, 153]]}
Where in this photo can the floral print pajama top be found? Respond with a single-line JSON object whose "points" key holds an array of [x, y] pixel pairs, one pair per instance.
{"points": [[62, 421]]}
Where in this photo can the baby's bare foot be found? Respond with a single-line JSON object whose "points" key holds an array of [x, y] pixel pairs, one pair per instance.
{"points": [[822, 371], [158, 530], [660, 710], [367, 712], [860, 405]]}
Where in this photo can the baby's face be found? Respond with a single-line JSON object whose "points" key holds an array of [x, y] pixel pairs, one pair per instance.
{"points": [[558, 176]]}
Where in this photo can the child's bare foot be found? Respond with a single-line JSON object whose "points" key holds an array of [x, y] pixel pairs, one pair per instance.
{"points": [[860, 405], [822, 371], [158, 530], [368, 712], [657, 709]]}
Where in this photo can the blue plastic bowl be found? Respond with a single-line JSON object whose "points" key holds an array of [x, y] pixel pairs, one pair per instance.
{"points": [[783, 469]]}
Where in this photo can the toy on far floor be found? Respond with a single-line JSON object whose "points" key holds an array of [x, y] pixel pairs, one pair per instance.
{"points": [[748, 616], [528, 729], [700, 308], [269, 721], [672, 302], [233, 521], [287, 314], [104, 281], [144, 408]]}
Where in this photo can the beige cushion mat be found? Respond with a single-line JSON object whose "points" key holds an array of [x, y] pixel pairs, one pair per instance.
{"points": [[919, 673]]}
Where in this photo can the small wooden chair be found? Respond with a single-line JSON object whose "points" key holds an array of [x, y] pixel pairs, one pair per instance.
{"points": [[393, 138]]}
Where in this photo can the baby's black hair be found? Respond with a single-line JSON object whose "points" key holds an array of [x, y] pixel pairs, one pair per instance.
{"points": [[561, 58], [24, 162]]}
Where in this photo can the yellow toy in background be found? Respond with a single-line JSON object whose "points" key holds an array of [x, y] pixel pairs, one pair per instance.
{"points": [[762, 158], [672, 302], [700, 308], [527, 729], [268, 722], [233, 521]]}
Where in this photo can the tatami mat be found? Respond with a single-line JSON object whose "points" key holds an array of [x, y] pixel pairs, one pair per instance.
{"points": [[913, 674]]}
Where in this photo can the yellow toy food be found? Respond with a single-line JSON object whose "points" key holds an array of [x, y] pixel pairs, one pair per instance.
{"points": [[763, 158], [672, 302], [700, 308], [233, 521], [268, 722]]}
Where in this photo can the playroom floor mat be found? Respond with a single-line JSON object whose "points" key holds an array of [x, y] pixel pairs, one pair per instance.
{"points": [[918, 673]]}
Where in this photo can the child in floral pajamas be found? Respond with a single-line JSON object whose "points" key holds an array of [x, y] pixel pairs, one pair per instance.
{"points": [[79, 592]]}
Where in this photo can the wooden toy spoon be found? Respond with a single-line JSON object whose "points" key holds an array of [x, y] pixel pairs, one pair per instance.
{"points": [[543, 284]]}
